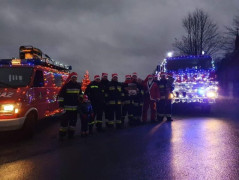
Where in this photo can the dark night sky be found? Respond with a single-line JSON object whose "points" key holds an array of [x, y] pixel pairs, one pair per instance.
{"points": [[113, 36]]}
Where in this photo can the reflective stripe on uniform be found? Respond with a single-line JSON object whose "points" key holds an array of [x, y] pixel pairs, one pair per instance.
{"points": [[119, 102], [73, 91], [122, 94], [136, 104], [118, 121], [99, 122], [60, 99], [91, 123], [63, 129], [70, 108], [94, 87], [160, 115], [71, 128], [111, 102], [119, 88], [127, 102], [111, 88], [110, 122]]}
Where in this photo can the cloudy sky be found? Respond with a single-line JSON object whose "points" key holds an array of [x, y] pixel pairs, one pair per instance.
{"points": [[113, 36]]}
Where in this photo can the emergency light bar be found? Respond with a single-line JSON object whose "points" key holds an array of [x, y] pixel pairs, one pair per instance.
{"points": [[32, 62]]}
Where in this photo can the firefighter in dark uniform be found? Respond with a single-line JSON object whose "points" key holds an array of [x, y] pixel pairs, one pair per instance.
{"points": [[95, 93], [126, 99], [164, 104], [136, 100], [114, 97], [69, 98], [105, 83]]}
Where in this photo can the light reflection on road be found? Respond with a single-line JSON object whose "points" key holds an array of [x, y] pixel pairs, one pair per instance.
{"points": [[202, 148], [17, 170]]}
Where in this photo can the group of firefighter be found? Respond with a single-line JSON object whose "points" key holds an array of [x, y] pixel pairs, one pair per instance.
{"points": [[115, 100]]}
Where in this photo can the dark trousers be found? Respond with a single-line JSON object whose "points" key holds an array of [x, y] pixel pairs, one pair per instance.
{"points": [[98, 109], [135, 110], [164, 109], [68, 122], [106, 110], [125, 111], [114, 111], [84, 123]]}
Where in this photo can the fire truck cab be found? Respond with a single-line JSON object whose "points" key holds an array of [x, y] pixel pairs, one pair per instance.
{"points": [[195, 80], [28, 89]]}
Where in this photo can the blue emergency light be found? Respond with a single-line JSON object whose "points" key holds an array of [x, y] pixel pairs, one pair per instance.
{"points": [[32, 62]]}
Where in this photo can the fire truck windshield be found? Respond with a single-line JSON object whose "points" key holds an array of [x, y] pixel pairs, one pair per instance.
{"points": [[187, 63], [15, 76]]}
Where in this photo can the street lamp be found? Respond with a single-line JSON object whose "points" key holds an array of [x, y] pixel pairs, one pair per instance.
{"points": [[170, 54]]}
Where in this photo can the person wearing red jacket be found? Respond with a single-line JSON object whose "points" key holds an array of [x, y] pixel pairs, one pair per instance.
{"points": [[151, 95]]}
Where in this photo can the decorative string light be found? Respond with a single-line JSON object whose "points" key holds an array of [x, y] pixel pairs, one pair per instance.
{"points": [[195, 78]]}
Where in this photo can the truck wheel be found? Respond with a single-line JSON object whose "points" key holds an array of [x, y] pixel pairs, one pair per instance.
{"points": [[29, 126]]}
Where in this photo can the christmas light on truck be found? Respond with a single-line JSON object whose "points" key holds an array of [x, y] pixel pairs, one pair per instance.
{"points": [[28, 89], [195, 79]]}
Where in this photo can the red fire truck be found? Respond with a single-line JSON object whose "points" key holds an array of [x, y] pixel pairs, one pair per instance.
{"points": [[28, 89]]}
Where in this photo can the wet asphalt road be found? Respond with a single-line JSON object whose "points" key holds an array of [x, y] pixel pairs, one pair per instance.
{"points": [[191, 147]]}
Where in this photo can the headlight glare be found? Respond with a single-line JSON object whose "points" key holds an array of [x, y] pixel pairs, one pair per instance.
{"points": [[8, 107], [211, 94]]}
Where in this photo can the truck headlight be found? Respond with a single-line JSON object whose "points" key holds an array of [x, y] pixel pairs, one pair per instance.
{"points": [[211, 94], [171, 96], [10, 108]]}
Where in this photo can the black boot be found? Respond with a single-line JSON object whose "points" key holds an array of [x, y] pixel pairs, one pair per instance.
{"points": [[61, 135], [71, 134], [99, 128], [169, 119], [160, 119], [90, 130]]}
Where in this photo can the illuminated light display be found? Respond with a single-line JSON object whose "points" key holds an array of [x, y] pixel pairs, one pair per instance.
{"points": [[17, 99], [85, 81], [16, 62], [195, 78]]}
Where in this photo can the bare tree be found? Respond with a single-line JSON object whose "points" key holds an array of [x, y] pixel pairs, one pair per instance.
{"points": [[201, 35], [230, 35]]}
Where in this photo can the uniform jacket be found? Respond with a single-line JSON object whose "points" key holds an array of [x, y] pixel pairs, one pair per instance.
{"points": [[126, 98], [135, 92], [70, 94], [95, 92], [165, 88], [114, 93]]}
